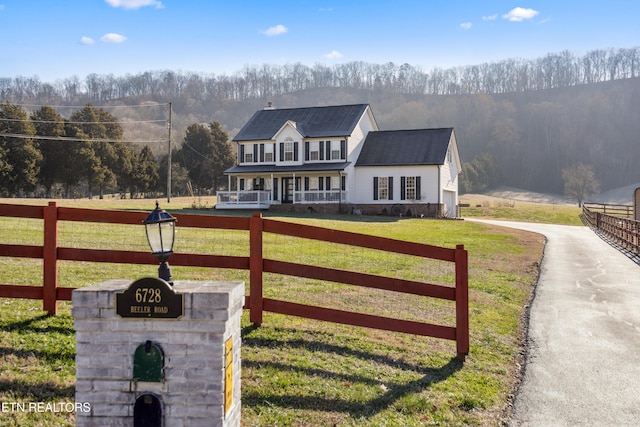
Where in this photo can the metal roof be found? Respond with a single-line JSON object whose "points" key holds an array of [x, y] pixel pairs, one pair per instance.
{"points": [[405, 147], [311, 122], [307, 167]]}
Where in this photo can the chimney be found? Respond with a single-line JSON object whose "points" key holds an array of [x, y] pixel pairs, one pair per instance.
{"points": [[269, 106]]}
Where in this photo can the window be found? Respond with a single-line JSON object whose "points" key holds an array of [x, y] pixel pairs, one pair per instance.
{"points": [[268, 153], [288, 151], [314, 150], [258, 184], [383, 188], [410, 188], [335, 150]]}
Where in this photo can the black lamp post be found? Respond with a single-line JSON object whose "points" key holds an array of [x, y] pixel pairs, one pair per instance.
{"points": [[161, 232]]}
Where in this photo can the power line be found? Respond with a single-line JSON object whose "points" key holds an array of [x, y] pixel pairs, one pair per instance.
{"points": [[82, 123], [71, 139], [164, 104]]}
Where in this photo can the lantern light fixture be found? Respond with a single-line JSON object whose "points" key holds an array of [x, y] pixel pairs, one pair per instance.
{"points": [[161, 231]]}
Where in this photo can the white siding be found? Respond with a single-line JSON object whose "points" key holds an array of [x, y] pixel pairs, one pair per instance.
{"points": [[429, 192], [354, 146]]}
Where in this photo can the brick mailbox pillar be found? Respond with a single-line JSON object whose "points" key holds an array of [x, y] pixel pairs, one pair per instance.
{"points": [[149, 354]]}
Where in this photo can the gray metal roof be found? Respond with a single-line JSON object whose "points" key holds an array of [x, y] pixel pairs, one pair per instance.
{"points": [[308, 167], [405, 147], [311, 122]]}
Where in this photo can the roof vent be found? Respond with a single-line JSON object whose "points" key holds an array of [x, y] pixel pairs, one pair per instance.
{"points": [[269, 106]]}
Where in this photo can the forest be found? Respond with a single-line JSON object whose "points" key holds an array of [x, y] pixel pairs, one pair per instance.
{"points": [[43, 154], [518, 122]]}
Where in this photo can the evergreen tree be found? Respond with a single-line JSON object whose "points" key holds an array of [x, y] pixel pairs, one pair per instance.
{"points": [[47, 122], [20, 158], [206, 153], [112, 157]]}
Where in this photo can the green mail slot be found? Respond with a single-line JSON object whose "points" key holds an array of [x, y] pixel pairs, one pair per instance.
{"points": [[148, 363]]}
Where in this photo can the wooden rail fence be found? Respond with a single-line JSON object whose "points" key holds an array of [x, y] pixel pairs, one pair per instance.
{"points": [[255, 262], [616, 223]]}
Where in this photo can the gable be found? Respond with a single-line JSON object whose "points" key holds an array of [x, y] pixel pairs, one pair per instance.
{"points": [[405, 147], [311, 122]]}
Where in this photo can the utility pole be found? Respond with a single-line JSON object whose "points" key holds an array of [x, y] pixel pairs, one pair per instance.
{"points": [[169, 160]]}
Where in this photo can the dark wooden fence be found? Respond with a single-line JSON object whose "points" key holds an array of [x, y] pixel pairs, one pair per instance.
{"points": [[51, 253], [615, 222]]}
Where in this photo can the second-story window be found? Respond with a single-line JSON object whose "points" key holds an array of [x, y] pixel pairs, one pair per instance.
{"points": [[268, 153], [248, 154], [314, 150], [288, 151], [335, 150]]}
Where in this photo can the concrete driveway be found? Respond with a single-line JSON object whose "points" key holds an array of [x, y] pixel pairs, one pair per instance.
{"points": [[583, 360]]}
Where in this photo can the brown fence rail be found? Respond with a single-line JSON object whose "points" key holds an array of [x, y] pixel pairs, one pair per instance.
{"points": [[51, 253], [616, 223]]}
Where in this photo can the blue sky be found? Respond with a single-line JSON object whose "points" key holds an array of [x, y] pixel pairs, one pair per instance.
{"points": [[55, 39]]}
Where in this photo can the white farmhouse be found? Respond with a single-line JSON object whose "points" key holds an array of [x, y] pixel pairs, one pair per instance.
{"points": [[335, 160]]}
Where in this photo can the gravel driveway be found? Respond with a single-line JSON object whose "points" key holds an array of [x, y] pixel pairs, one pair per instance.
{"points": [[583, 360]]}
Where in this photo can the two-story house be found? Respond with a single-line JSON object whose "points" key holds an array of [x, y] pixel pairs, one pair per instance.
{"points": [[334, 159]]}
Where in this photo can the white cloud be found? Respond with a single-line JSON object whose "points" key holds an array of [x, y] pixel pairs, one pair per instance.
{"points": [[276, 30], [466, 25], [135, 4], [490, 17], [86, 40], [520, 14], [334, 54], [113, 38]]}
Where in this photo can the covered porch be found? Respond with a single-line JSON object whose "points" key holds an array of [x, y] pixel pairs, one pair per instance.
{"points": [[263, 190]]}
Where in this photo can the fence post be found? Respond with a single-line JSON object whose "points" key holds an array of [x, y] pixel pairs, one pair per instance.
{"points": [[50, 259], [462, 302], [255, 269]]}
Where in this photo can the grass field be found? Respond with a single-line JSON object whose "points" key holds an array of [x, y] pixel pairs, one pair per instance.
{"points": [[298, 372]]}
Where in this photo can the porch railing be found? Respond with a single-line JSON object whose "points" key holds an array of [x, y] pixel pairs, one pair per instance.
{"points": [[320, 196], [240, 198]]}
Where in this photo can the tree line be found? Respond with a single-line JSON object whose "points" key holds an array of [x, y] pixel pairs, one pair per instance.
{"points": [[44, 154], [554, 70]]}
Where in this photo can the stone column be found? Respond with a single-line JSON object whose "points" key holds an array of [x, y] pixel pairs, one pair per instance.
{"points": [[199, 379]]}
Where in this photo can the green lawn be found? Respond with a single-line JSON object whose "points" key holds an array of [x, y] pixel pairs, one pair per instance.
{"points": [[299, 372]]}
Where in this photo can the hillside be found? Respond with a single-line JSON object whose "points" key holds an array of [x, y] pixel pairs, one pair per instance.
{"points": [[531, 135], [528, 119]]}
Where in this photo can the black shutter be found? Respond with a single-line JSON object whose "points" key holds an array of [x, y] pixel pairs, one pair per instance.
{"points": [[328, 150], [295, 151], [390, 188], [417, 188], [241, 159], [306, 183], [343, 183], [375, 188], [255, 153], [321, 183], [306, 151], [282, 151], [275, 188], [343, 149], [261, 153], [241, 184], [321, 149], [328, 181], [402, 188]]}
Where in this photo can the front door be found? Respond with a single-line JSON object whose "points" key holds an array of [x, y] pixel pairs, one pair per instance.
{"points": [[287, 190]]}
